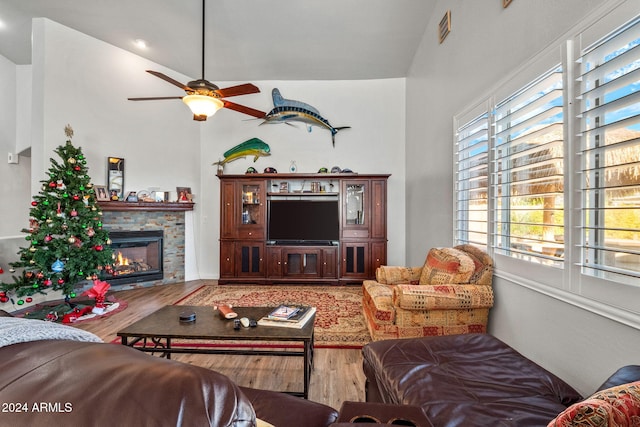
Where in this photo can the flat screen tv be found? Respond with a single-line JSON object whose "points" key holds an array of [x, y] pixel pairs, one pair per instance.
{"points": [[299, 221]]}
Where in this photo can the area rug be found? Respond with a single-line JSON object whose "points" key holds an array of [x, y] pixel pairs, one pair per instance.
{"points": [[339, 320]]}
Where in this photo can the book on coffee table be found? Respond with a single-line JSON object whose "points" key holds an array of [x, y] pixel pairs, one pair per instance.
{"points": [[283, 312], [288, 313], [298, 321]]}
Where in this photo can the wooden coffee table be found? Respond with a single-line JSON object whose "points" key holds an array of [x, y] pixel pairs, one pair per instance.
{"points": [[156, 331]]}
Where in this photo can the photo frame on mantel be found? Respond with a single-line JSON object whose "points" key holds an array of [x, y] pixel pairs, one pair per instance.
{"points": [[101, 193], [115, 176], [184, 194]]}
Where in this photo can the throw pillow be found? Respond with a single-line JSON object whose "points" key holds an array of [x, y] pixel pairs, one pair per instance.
{"points": [[446, 266], [614, 407]]}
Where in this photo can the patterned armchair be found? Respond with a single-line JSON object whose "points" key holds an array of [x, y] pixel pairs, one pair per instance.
{"points": [[450, 294]]}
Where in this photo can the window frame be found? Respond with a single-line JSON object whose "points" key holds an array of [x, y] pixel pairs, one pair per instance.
{"points": [[605, 297]]}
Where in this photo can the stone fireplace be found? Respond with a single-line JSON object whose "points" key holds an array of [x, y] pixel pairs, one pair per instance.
{"points": [[137, 219]]}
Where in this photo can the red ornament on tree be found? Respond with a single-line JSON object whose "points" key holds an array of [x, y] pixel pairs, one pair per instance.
{"points": [[53, 184], [98, 248], [34, 203], [60, 281]]}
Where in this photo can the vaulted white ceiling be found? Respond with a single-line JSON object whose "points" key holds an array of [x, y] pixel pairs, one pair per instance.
{"points": [[245, 39]]}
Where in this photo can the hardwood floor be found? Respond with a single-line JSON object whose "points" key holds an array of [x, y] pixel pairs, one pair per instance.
{"points": [[337, 373]]}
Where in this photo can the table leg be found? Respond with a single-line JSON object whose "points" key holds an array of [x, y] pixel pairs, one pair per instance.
{"points": [[308, 364], [312, 346], [307, 368]]}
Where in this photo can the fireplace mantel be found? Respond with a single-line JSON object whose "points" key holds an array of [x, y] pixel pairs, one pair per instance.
{"points": [[146, 206]]}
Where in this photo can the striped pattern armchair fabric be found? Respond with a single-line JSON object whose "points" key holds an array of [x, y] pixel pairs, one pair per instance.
{"points": [[450, 294]]}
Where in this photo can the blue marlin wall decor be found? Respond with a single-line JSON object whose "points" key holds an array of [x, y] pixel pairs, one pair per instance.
{"points": [[252, 147], [289, 110]]}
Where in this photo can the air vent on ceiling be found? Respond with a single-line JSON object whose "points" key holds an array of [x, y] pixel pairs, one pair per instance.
{"points": [[445, 26]]}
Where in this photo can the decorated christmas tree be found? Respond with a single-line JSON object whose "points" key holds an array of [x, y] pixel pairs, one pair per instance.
{"points": [[67, 243]]}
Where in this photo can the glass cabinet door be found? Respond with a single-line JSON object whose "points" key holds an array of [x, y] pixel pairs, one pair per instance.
{"points": [[355, 209], [251, 217], [355, 204], [251, 202]]}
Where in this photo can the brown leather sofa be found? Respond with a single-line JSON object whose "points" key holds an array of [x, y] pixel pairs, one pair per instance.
{"points": [[49, 382], [470, 380]]}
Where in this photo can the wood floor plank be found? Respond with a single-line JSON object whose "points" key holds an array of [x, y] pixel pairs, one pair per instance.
{"points": [[337, 373]]}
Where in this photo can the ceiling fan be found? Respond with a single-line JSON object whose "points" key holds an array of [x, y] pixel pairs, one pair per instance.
{"points": [[205, 98]]}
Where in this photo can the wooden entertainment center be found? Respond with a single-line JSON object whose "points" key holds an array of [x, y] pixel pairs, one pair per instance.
{"points": [[355, 243]]}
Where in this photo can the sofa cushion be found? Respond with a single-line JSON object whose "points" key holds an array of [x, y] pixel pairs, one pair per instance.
{"points": [[614, 407], [483, 274], [466, 380], [447, 266], [442, 297]]}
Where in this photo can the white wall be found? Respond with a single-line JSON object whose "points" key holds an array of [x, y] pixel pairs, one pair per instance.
{"points": [[84, 82], [14, 178], [373, 108], [486, 43]]}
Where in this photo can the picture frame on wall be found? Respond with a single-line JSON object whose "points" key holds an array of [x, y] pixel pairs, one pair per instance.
{"points": [[101, 193], [184, 194], [115, 177]]}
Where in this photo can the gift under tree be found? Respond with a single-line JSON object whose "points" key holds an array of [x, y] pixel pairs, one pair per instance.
{"points": [[67, 243]]}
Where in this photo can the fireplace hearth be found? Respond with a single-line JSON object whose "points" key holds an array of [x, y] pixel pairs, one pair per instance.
{"points": [[137, 256]]}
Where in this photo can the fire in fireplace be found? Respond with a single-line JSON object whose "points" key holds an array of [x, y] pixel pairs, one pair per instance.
{"points": [[137, 256]]}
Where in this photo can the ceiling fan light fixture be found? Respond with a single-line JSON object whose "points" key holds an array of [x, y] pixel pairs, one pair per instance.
{"points": [[202, 106]]}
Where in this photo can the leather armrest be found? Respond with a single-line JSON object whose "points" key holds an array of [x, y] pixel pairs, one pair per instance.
{"points": [[281, 409]]}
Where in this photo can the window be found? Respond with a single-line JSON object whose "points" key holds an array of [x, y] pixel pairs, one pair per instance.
{"points": [[472, 181], [547, 177], [609, 85], [528, 168]]}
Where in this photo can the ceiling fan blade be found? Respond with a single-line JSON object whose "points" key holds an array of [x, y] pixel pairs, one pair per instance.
{"points": [[243, 89], [244, 109], [155, 98], [169, 79]]}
